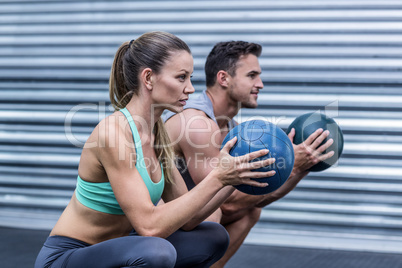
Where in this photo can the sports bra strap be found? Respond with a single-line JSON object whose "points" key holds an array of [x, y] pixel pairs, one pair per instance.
{"points": [[155, 189], [136, 135]]}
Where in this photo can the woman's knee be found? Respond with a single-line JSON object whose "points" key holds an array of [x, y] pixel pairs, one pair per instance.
{"points": [[216, 234], [160, 254]]}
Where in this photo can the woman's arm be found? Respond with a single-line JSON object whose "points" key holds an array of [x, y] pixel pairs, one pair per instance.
{"points": [[179, 188], [214, 203], [163, 220]]}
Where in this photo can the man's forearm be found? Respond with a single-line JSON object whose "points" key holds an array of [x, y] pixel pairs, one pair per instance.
{"points": [[288, 186], [211, 211], [240, 201]]}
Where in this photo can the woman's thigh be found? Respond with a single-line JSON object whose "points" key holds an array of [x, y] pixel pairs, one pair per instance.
{"points": [[129, 251]]}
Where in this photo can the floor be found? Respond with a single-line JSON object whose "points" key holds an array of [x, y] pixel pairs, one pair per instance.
{"points": [[19, 247]]}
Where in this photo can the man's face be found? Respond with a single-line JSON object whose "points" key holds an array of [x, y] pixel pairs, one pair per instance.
{"points": [[245, 85]]}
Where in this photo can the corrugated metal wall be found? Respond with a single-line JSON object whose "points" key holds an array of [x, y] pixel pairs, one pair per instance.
{"points": [[343, 57]]}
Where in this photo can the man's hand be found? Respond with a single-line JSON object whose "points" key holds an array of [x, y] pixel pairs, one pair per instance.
{"points": [[309, 152]]}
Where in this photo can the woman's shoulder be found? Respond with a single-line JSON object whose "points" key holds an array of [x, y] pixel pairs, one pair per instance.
{"points": [[112, 137], [109, 130]]}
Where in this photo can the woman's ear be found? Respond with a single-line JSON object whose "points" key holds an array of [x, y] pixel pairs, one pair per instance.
{"points": [[223, 78], [147, 77]]}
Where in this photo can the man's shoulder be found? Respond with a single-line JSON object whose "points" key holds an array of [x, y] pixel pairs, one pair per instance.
{"points": [[199, 105], [189, 112], [193, 119], [192, 129]]}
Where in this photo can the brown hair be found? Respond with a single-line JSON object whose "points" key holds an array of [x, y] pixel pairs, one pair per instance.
{"points": [[150, 50], [225, 55]]}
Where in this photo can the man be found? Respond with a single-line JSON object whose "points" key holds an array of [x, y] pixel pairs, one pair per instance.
{"points": [[233, 82]]}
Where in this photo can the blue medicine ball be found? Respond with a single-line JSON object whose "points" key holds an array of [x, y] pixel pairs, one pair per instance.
{"points": [[307, 124], [255, 135]]}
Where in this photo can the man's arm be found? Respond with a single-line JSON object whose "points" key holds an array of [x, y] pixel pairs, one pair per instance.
{"points": [[196, 137], [307, 154]]}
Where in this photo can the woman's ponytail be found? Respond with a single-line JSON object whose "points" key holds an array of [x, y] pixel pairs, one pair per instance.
{"points": [[119, 94]]}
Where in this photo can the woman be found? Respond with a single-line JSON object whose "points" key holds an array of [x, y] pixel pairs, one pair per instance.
{"points": [[126, 167]]}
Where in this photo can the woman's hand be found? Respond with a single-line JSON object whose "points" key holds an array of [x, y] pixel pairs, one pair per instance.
{"points": [[238, 170]]}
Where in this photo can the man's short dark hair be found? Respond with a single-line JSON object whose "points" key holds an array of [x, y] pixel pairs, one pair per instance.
{"points": [[225, 55]]}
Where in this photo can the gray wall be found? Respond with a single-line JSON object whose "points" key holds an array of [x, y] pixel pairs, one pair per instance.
{"points": [[55, 58]]}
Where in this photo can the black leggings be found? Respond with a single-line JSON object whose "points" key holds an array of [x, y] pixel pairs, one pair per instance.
{"points": [[200, 247]]}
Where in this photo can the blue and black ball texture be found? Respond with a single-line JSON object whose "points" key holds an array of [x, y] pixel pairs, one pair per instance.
{"points": [[307, 124], [254, 135]]}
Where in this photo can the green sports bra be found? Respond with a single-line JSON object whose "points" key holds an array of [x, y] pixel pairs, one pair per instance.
{"points": [[100, 197]]}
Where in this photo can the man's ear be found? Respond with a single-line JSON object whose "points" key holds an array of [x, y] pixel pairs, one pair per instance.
{"points": [[223, 78], [147, 77]]}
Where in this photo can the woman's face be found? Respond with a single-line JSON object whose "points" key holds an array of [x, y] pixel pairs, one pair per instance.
{"points": [[172, 85]]}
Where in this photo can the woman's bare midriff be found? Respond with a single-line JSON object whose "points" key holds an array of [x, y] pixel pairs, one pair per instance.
{"points": [[90, 226]]}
